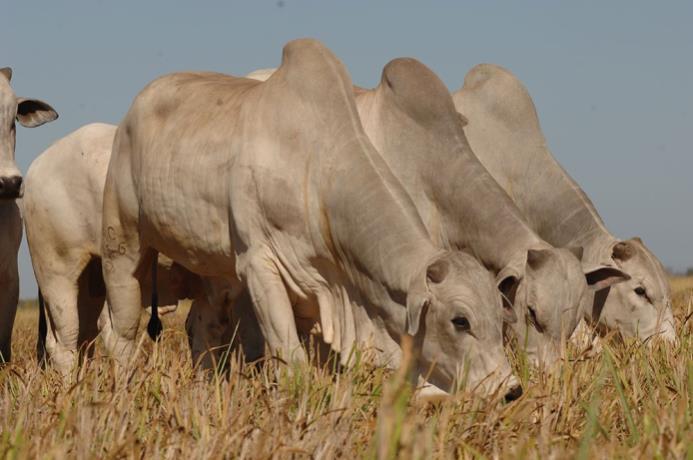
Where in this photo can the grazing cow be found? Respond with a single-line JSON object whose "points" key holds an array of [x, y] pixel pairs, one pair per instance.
{"points": [[504, 133], [412, 121], [276, 187], [29, 113]]}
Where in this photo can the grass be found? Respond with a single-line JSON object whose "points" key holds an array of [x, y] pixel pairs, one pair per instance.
{"points": [[627, 401]]}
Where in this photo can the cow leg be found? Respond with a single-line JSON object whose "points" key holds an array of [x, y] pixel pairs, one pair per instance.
{"points": [[206, 325], [90, 310], [222, 321], [273, 307], [9, 297], [60, 299], [124, 262], [244, 327], [124, 299]]}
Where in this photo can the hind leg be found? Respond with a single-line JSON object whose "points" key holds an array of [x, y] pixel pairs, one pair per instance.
{"points": [[122, 254], [124, 307], [62, 316], [90, 304], [205, 326], [57, 274], [123, 262]]}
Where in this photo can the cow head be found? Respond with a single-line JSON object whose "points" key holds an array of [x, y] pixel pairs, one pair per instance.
{"points": [[641, 306], [456, 313], [29, 113], [549, 294]]}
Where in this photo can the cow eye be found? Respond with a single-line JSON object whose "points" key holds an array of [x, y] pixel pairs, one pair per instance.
{"points": [[461, 323], [532, 319], [642, 292]]}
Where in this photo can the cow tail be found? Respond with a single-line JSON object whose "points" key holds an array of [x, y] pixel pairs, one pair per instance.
{"points": [[42, 331], [154, 327]]}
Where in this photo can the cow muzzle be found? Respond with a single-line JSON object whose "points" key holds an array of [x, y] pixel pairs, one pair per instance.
{"points": [[11, 187]]}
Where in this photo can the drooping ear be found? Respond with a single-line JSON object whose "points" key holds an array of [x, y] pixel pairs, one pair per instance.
{"points": [[419, 295], [416, 309], [418, 298], [7, 72], [622, 251], [32, 112], [536, 258], [578, 251], [507, 282], [602, 277]]}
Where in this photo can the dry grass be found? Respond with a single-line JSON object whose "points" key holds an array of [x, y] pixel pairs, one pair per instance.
{"points": [[628, 401]]}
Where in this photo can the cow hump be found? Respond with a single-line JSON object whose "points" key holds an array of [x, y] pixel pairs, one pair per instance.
{"points": [[310, 68], [502, 93], [418, 91]]}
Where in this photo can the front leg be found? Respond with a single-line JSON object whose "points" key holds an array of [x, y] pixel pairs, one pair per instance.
{"points": [[9, 297], [272, 306]]}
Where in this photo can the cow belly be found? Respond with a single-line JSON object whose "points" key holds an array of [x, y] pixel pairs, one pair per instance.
{"points": [[197, 237]]}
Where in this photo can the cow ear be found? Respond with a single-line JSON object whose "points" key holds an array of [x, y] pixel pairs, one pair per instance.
{"points": [[7, 72], [419, 295], [416, 309], [602, 277], [622, 251], [32, 112], [507, 282]]}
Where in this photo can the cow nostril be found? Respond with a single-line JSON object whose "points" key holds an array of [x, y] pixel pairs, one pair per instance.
{"points": [[514, 393]]}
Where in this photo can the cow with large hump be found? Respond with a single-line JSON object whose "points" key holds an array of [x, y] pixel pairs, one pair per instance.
{"points": [[506, 136], [275, 186], [29, 113], [62, 216], [412, 121]]}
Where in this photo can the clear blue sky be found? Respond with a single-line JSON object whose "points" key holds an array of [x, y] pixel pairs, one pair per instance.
{"points": [[613, 81]]}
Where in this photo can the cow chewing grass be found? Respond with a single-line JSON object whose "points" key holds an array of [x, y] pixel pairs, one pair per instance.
{"points": [[629, 400]]}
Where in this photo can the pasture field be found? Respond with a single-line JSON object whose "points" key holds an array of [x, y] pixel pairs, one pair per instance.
{"points": [[625, 401]]}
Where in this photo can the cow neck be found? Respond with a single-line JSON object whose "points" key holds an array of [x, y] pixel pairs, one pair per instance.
{"points": [[565, 216], [371, 228], [549, 199], [360, 216], [597, 246], [470, 209]]}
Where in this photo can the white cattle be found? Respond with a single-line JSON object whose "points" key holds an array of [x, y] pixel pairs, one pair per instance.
{"points": [[30, 113], [276, 187], [62, 217], [505, 134]]}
